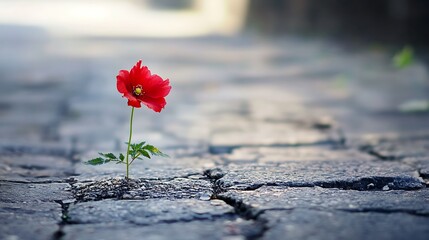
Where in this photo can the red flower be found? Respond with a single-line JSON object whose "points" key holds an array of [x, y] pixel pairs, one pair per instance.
{"points": [[140, 86]]}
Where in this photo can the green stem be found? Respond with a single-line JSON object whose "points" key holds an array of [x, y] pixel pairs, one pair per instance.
{"points": [[129, 141], [132, 160]]}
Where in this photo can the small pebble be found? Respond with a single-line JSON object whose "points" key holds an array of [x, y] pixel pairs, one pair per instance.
{"points": [[386, 188]]}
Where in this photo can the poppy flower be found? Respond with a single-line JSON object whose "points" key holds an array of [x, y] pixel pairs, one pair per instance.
{"points": [[140, 86]]}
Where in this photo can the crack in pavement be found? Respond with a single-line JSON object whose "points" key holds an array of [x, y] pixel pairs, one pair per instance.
{"points": [[241, 210]]}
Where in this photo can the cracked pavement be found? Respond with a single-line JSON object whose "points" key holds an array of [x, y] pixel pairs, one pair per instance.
{"points": [[268, 138]]}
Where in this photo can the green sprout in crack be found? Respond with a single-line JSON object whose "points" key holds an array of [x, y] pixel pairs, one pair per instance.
{"points": [[137, 151]]}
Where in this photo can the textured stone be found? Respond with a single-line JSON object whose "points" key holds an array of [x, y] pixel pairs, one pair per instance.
{"points": [[265, 198], [269, 134], [29, 220], [399, 148], [119, 188], [257, 101], [148, 212], [21, 193], [314, 224], [265, 155], [228, 229], [339, 174], [34, 168]]}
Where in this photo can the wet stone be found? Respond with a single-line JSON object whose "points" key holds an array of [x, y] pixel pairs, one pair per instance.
{"points": [[321, 225], [119, 188], [228, 229], [339, 174], [266, 198], [148, 212]]}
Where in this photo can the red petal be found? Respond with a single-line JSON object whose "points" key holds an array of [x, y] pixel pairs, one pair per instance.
{"points": [[156, 104], [139, 74], [123, 82], [155, 87], [134, 102]]}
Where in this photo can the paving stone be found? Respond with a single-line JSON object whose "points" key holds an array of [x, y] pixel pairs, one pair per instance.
{"points": [[266, 198], [266, 155], [391, 149], [337, 174], [195, 186], [314, 224], [29, 220], [228, 229], [411, 149], [269, 134], [34, 168], [421, 164], [27, 192], [148, 212], [245, 123]]}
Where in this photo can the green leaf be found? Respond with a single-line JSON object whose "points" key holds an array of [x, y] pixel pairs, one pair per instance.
{"points": [[121, 157], [154, 151], [108, 155], [97, 161], [144, 153], [140, 145], [404, 58]]}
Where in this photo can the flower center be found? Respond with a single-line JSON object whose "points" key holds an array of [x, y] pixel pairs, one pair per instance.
{"points": [[138, 90]]}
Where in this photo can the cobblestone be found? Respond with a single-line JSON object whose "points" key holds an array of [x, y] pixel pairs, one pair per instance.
{"points": [[269, 139]]}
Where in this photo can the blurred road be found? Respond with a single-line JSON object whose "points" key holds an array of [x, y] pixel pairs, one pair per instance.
{"points": [[269, 139]]}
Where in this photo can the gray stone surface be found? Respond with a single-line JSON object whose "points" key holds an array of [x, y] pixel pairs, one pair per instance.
{"points": [[355, 174], [230, 229], [268, 134], [27, 192], [273, 155], [397, 148], [389, 201], [34, 168], [148, 212], [119, 188], [28, 218], [313, 224], [273, 116]]}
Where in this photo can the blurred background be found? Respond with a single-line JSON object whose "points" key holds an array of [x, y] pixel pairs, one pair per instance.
{"points": [[363, 62]]}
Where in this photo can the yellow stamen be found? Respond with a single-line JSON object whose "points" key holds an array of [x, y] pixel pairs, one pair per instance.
{"points": [[138, 91]]}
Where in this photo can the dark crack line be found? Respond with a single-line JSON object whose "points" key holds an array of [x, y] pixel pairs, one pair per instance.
{"points": [[59, 234], [370, 151], [246, 212], [416, 213], [38, 182], [386, 211], [363, 184], [241, 210]]}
